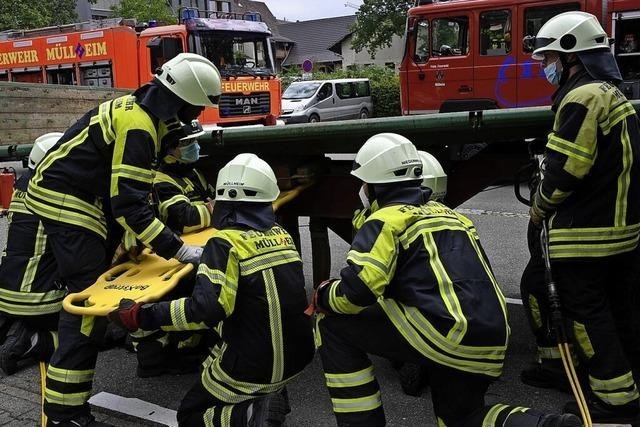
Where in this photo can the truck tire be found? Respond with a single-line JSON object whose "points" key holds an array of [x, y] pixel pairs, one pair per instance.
{"points": [[314, 118], [364, 114]]}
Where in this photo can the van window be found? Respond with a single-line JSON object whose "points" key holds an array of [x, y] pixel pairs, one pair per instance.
{"points": [[495, 32], [535, 17], [362, 89], [300, 90], [325, 91], [422, 42], [344, 90], [450, 36]]}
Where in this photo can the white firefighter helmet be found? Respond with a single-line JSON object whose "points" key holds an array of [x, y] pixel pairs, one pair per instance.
{"points": [[191, 131], [41, 146], [433, 176], [193, 78], [386, 158], [579, 33], [247, 178], [570, 32]]}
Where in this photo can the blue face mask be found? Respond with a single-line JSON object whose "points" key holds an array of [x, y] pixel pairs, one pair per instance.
{"points": [[553, 72], [190, 153]]}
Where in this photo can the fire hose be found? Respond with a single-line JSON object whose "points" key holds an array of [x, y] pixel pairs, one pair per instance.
{"points": [[561, 333]]}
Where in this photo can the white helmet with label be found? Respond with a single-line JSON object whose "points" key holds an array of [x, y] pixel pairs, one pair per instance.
{"points": [[386, 158], [433, 176], [193, 78], [247, 178], [41, 146]]}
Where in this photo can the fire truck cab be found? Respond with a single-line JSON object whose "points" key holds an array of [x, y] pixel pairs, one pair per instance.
{"points": [[469, 54], [94, 54]]}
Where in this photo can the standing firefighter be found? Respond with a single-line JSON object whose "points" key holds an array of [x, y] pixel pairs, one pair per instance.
{"points": [[94, 184], [590, 195], [417, 288], [250, 287], [30, 294]]}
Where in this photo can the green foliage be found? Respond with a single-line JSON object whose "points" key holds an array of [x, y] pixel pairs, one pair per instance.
{"points": [[27, 14], [385, 86], [377, 21], [145, 10]]}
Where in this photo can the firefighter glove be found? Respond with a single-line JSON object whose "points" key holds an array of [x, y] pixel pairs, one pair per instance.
{"points": [[189, 254], [126, 315], [536, 214]]}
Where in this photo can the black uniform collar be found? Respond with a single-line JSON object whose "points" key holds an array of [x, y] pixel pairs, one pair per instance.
{"points": [[403, 193], [580, 78], [23, 182], [158, 100], [254, 215], [177, 168]]}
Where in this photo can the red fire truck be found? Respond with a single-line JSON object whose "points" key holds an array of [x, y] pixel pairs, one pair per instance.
{"points": [[469, 54], [118, 56]]}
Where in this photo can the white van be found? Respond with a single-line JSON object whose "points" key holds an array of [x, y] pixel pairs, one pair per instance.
{"points": [[323, 100]]}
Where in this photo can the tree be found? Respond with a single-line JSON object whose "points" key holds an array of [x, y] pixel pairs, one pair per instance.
{"points": [[377, 21], [26, 14], [145, 10]]}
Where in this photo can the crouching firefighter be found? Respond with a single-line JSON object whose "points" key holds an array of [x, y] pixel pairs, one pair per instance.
{"points": [[417, 288], [30, 293], [184, 200], [93, 185], [250, 286]]}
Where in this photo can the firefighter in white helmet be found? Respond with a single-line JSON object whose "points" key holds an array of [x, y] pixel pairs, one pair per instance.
{"points": [[417, 288], [31, 295], [250, 286], [589, 193], [94, 185]]}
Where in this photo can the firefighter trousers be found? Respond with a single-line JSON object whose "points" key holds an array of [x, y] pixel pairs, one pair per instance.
{"points": [[458, 397], [596, 298], [81, 257]]}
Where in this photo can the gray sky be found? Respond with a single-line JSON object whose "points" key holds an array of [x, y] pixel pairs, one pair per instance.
{"points": [[304, 10]]}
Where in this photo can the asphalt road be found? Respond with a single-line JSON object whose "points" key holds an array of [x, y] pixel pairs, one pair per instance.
{"points": [[501, 222]]}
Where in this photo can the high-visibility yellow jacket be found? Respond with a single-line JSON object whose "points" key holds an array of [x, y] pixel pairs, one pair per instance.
{"points": [[105, 159], [590, 188], [424, 265], [28, 269]]}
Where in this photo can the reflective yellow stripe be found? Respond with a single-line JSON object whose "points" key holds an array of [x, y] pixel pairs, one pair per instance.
{"points": [[133, 172], [341, 304], [225, 418], [358, 404], [593, 233], [151, 232], [394, 313], [447, 291], [623, 381], [618, 398], [66, 399], [351, 379], [583, 339], [362, 259], [592, 250], [430, 225], [65, 201], [178, 316], [616, 115], [534, 310], [104, 114], [165, 205], [31, 310], [68, 217], [227, 281], [70, 376], [268, 260], [549, 353], [32, 297], [205, 216], [624, 179], [571, 149], [163, 177], [208, 417], [492, 415], [275, 325], [34, 260], [18, 205]]}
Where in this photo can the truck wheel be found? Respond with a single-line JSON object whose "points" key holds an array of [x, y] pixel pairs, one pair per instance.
{"points": [[364, 114], [314, 118]]}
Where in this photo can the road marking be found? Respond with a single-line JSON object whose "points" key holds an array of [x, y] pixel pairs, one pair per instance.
{"points": [[136, 408], [513, 301], [464, 211]]}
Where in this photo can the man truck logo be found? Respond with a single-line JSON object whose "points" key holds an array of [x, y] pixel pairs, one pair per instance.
{"points": [[248, 101], [246, 109]]}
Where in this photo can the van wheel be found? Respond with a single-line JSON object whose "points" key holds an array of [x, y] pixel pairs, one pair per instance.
{"points": [[314, 118], [364, 114]]}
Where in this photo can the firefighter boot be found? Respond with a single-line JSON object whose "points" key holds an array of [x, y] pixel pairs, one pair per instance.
{"points": [[268, 411], [603, 413], [81, 421], [17, 346], [564, 420], [546, 374], [413, 378]]}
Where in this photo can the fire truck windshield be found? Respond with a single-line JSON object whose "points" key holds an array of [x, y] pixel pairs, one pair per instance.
{"points": [[235, 53]]}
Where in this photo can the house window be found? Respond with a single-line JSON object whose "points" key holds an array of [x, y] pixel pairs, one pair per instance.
{"points": [[495, 32], [422, 41], [220, 6], [450, 36]]}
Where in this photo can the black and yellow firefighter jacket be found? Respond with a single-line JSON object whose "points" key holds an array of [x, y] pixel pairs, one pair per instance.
{"points": [[182, 193], [250, 287], [590, 188], [28, 269], [424, 265], [105, 159]]}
